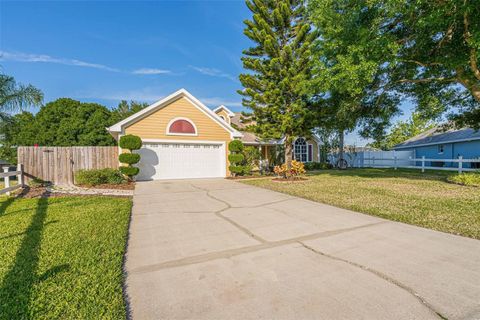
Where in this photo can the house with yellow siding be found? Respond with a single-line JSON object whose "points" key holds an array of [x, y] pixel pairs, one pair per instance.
{"points": [[182, 138]]}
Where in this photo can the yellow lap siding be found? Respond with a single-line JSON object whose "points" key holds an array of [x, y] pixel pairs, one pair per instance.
{"points": [[154, 126], [224, 114]]}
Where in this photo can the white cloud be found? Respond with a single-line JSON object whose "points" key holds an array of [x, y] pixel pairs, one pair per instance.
{"points": [[28, 57], [214, 73], [150, 71]]}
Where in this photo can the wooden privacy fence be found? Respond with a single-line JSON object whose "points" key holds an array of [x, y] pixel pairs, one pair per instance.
{"points": [[58, 164]]}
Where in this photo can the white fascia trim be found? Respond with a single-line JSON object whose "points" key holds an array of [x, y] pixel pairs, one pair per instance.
{"points": [[118, 127], [183, 141], [228, 111], [168, 133]]}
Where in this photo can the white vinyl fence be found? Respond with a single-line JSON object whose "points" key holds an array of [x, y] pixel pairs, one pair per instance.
{"points": [[405, 159], [6, 174]]}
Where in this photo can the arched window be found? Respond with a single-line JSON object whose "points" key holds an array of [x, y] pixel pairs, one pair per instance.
{"points": [[302, 151], [182, 127]]}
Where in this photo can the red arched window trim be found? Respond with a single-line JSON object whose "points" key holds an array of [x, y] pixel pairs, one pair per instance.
{"points": [[181, 126]]}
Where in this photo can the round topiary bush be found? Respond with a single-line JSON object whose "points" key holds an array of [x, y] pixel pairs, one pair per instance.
{"points": [[236, 157], [129, 171], [235, 146], [129, 158], [130, 142], [237, 170]]}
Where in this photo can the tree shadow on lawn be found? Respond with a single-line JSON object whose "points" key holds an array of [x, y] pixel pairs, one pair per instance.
{"points": [[5, 204], [385, 173], [17, 285]]}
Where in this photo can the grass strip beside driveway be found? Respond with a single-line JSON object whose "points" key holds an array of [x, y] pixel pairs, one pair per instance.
{"points": [[409, 196], [62, 257]]}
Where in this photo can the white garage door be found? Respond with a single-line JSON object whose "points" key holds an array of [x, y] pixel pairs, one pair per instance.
{"points": [[181, 161]]}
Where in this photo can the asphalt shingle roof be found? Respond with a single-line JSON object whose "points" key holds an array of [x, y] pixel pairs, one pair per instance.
{"points": [[438, 136]]}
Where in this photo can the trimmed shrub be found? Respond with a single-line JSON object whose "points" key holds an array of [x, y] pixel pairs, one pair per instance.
{"points": [[95, 177], [129, 158], [235, 146], [129, 171], [236, 158], [130, 142], [466, 179], [237, 170]]}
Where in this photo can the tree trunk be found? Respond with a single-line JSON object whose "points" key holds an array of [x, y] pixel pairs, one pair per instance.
{"points": [[288, 152], [341, 145], [476, 92]]}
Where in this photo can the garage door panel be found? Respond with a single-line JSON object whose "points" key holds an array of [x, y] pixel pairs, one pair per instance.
{"points": [[181, 161]]}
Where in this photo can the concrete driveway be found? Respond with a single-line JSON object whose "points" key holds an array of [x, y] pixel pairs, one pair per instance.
{"points": [[217, 249]]}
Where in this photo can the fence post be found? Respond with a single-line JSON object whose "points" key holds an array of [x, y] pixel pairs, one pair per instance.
{"points": [[373, 162], [423, 163], [20, 177], [7, 180], [395, 162], [460, 164]]}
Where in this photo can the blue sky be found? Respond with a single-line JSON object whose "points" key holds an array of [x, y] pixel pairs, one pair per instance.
{"points": [[105, 51]]}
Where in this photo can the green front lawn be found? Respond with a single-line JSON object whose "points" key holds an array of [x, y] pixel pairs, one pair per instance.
{"points": [[62, 257], [409, 196]]}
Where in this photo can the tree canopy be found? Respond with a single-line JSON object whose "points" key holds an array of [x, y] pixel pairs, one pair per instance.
{"points": [[426, 50], [63, 122], [280, 63], [404, 130]]}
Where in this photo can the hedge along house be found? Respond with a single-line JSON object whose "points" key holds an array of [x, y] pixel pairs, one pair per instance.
{"points": [[438, 144], [182, 138]]}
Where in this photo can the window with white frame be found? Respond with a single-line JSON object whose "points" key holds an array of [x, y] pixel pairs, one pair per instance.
{"points": [[302, 151]]}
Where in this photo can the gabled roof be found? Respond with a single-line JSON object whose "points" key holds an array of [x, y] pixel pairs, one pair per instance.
{"points": [[217, 109], [182, 93], [438, 136]]}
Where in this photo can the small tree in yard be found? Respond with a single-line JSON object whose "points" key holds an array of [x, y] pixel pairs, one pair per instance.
{"points": [[130, 142], [236, 158]]}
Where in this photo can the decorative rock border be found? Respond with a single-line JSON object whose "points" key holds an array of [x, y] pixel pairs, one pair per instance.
{"points": [[74, 190]]}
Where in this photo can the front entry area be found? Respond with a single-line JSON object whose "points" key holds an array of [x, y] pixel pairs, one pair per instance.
{"points": [[167, 160]]}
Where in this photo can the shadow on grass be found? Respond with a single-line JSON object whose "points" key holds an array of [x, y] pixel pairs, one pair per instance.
{"points": [[17, 285], [385, 173], [5, 204]]}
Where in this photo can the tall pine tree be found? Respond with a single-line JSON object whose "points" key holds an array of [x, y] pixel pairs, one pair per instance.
{"points": [[280, 63]]}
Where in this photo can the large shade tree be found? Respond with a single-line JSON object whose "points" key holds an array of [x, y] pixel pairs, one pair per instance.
{"points": [[431, 49], [438, 59], [280, 68], [352, 68]]}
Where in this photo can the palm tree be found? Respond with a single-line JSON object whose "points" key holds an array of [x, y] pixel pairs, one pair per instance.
{"points": [[16, 96]]}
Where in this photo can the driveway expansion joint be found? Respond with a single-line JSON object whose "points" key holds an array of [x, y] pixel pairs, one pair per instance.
{"points": [[226, 254], [378, 274]]}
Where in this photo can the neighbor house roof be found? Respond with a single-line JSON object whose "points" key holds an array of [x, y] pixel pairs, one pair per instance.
{"points": [[248, 138], [438, 136], [120, 126]]}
